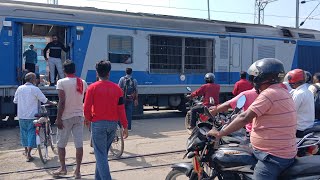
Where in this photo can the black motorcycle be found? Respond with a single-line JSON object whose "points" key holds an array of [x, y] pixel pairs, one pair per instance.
{"points": [[233, 161], [192, 102]]}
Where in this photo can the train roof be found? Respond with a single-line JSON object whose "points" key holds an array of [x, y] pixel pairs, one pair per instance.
{"points": [[92, 15]]}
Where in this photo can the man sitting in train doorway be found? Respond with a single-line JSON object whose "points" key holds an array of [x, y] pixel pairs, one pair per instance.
{"points": [[129, 86], [54, 59]]}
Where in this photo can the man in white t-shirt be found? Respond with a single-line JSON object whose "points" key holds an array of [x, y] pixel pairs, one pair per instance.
{"points": [[70, 119], [27, 98], [303, 100]]}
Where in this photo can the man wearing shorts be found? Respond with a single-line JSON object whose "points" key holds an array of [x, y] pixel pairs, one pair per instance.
{"points": [[27, 98], [70, 119]]}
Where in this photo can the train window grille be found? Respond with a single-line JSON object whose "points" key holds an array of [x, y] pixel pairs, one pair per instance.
{"points": [[180, 55], [198, 55], [120, 49], [166, 54]]}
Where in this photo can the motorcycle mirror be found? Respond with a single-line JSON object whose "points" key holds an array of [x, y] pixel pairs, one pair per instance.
{"points": [[188, 89], [211, 100], [241, 101], [191, 155]]}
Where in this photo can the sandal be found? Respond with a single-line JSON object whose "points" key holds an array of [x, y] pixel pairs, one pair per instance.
{"points": [[29, 159], [77, 175], [59, 173]]}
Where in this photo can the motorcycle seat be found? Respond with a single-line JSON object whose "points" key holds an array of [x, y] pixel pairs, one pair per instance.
{"points": [[311, 130], [307, 165], [38, 115]]}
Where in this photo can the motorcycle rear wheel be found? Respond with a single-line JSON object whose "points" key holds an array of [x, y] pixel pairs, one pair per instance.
{"points": [[178, 175]]}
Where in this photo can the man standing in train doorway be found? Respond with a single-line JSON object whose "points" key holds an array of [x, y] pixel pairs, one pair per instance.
{"points": [[55, 57], [129, 86], [31, 59]]}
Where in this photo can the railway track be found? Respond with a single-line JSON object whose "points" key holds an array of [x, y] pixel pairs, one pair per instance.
{"points": [[110, 160]]}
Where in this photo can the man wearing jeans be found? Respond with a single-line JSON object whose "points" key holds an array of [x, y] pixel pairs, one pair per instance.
{"points": [[129, 86], [104, 107], [55, 57], [274, 121], [70, 116]]}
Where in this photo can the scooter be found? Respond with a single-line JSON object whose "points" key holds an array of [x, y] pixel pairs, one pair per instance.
{"points": [[212, 160]]}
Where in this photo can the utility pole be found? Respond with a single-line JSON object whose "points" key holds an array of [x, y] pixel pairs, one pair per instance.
{"points": [[260, 5], [208, 9], [297, 13]]}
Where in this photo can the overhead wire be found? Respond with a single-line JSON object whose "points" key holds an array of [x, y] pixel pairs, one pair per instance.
{"points": [[194, 9], [190, 9]]}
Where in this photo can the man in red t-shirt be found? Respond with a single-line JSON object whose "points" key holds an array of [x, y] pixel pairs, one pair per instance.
{"points": [[242, 85], [210, 89], [104, 107]]}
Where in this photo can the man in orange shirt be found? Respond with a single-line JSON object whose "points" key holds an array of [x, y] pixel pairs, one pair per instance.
{"points": [[274, 121], [242, 85]]}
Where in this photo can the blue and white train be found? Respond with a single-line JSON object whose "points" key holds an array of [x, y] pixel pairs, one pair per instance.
{"points": [[166, 53]]}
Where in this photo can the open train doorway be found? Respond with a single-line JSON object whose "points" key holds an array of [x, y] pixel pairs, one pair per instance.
{"points": [[39, 36]]}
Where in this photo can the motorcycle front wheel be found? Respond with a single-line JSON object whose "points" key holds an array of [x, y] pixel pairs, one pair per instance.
{"points": [[187, 121]]}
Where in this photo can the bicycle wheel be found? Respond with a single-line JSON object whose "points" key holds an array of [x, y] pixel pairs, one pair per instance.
{"points": [[117, 145], [52, 139], [43, 146]]}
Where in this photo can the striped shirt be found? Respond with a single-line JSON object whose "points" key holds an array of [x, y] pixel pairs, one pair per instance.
{"points": [[274, 128]]}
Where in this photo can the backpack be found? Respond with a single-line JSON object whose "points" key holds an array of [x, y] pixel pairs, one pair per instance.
{"points": [[129, 88], [317, 102]]}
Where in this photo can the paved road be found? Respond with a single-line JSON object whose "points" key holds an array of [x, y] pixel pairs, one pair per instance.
{"points": [[148, 136]]}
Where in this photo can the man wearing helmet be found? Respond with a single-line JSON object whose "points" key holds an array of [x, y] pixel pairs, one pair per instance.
{"points": [[303, 99], [210, 89], [273, 118]]}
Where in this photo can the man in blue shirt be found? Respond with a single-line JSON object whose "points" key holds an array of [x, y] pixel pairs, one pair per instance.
{"points": [[31, 58]]}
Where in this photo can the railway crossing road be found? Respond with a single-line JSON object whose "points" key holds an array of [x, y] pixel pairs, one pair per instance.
{"points": [[153, 145]]}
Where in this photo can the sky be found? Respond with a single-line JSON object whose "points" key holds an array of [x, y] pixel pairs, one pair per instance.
{"points": [[281, 12]]}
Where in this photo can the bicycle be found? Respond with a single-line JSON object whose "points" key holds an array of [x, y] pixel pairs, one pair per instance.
{"points": [[44, 134], [117, 146]]}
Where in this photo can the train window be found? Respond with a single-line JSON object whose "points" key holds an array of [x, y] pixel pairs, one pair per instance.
{"points": [[165, 54], [198, 55], [309, 36], [120, 49]]}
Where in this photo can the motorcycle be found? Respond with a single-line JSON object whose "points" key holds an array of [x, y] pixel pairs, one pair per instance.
{"points": [[212, 160], [192, 102]]}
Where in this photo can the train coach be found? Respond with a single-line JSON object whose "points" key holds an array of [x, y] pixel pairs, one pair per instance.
{"points": [[166, 53]]}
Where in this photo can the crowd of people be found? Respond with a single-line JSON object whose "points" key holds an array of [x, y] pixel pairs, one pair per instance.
{"points": [[101, 105], [279, 107], [275, 113]]}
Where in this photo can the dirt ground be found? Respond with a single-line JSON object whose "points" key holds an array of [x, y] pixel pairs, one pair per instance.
{"points": [[148, 136]]}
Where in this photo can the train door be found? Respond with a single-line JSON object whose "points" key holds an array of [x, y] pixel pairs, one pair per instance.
{"points": [[39, 35], [235, 59], [247, 53], [241, 56], [70, 39], [222, 60]]}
